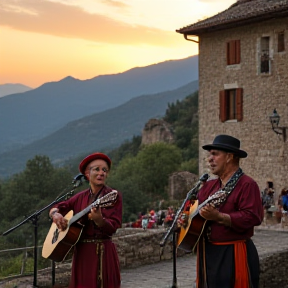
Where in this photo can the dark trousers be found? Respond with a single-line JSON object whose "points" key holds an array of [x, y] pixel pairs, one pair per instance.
{"points": [[220, 266]]}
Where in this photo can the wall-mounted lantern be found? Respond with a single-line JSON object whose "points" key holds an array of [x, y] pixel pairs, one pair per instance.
{"points": [[275, 119]]}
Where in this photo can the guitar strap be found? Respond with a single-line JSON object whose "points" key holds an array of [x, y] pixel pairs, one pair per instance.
{"points": [[224, 192]]}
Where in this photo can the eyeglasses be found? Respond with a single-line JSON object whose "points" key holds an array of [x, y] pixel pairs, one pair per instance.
{"points": [[97, 169]]}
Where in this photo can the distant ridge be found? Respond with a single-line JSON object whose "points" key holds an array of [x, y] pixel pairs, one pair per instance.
{"points": [[107, 129], [8, 89], [32, 115]]}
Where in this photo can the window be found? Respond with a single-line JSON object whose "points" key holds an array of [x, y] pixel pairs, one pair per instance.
{"points": [[264, 55], [233, 52], [231, 104], [281, 43]]}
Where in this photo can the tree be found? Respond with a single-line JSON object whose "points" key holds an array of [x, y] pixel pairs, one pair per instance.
{"points": [[30, 191], [156, 162], [183, 116], [143, 179], [125, 178]]}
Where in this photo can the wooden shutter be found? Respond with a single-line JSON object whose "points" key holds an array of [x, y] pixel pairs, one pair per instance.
{"points": [[233, 52], [223, 105], [239, 104], [237, 52], [230, 52], [281, 42], [227, 53]]}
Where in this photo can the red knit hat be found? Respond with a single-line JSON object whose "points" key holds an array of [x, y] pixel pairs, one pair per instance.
{"points": [[83, 164]]}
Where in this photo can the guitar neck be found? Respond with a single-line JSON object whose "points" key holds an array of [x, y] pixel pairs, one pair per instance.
{"points": [[199, 208], [77, 216], [105, 201]]}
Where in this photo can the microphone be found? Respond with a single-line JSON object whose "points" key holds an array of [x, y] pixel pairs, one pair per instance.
{"points": [[193, 192], [78, 179], [204, 177]]}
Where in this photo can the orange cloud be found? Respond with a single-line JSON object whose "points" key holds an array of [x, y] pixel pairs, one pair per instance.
{"points": [[114, 3], [73, 22]]}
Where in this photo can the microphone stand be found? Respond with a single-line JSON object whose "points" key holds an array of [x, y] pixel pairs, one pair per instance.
{"points": [[34, 219], [174, 281], [173, 227]]}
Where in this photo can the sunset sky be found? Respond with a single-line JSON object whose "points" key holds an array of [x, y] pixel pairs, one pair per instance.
{"points": [[47, 40]]}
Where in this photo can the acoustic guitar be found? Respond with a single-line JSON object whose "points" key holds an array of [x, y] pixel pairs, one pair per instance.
{"points": [[58, 243], [190, 234]]}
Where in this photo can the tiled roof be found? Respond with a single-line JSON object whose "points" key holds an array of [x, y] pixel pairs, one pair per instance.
{"points": [[240, 13]]}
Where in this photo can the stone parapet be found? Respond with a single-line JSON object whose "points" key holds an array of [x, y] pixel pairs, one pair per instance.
{"points": [[142, 246]]}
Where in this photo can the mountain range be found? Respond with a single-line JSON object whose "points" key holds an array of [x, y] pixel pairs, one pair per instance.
{"points": [[7, 89], [106, 112]]}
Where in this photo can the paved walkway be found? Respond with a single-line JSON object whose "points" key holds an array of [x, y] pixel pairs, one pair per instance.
{"points": [[268, 239], [160, 275]]}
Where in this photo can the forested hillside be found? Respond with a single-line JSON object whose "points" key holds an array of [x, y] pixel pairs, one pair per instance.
{"points": [[108, 129], [140, 173]]}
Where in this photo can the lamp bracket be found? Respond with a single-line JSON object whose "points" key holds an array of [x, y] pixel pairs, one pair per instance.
{"points": [[281, 132]]}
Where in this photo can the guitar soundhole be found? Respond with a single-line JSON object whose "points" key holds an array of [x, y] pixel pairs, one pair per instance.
{"points": [[55, 236]]}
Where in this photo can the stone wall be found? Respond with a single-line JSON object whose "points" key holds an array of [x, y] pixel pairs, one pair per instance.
{"points": [[267, 153], [137, 247], [273, 270]]}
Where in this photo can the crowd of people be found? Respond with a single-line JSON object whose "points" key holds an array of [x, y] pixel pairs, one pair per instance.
{"points": [[154, 219]]}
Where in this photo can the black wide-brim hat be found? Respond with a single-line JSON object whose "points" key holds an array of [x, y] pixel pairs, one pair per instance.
{"points": [[226, 143]]}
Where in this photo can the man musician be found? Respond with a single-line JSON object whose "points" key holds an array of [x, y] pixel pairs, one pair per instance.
{"points": [[227, 257]]}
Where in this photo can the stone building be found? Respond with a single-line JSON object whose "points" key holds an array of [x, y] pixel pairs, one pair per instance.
{"points": [[243, 77]]}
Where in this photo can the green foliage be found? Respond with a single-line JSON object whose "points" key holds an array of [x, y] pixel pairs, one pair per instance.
{"points": [[28, 192], [191, 166], [128, 148], [184, 118], [12, 265], [125, 178], [156, 162], [143, 179]]}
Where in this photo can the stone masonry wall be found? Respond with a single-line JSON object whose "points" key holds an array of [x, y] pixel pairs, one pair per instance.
{"points": [[267, 153], [273, 270], [142, 247]]}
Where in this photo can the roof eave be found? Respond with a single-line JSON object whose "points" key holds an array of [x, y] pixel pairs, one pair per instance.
{"points": [[231, 24]]}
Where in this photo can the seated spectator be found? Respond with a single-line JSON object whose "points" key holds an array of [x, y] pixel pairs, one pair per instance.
{"points": [[268, 197], [145, 219], [169, 217], [152, 220], [284, 194]]}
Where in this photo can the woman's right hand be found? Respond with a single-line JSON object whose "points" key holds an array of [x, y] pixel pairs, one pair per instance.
{"points": [[60, 221]]}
